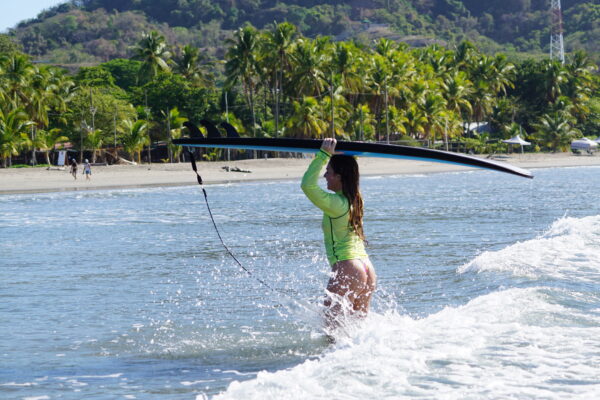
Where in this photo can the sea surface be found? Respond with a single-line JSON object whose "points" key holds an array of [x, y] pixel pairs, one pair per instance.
{"points": [[489, 288]]}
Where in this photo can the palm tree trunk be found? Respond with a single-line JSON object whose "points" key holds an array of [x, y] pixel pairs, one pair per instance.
{"points": [[170, 138]]}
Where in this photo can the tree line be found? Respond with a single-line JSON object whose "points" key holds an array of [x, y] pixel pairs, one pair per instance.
{"points": [[277, 82]]}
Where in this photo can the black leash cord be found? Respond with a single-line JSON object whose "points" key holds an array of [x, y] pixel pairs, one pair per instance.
{"points": [[199, 178]]}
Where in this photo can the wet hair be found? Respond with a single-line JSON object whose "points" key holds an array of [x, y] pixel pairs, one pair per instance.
{"points": [[347, 168]]}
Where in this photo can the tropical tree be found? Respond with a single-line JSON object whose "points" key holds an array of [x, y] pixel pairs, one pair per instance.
{"points": [[187, 64], [306, 120], [434, 113], [46, 141], [14, 124], [15, 72], [379, 73], [555, 75], [415, 121], [556, 130], [174, 123], [308, 76], [457, 89], [481, 100], [93, 141], [362, 122], [152, 52], [580, 84], [276, 54], [242, 66], [135, 137]]}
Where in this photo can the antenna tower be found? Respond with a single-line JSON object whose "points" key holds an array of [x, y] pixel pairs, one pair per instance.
{"points": [[557, 49]]}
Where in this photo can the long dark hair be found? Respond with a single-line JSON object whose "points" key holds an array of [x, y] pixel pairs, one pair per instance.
{"points": [[347, 168]]}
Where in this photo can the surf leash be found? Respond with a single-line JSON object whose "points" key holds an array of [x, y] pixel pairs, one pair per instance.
{"points": [[200, 182]]}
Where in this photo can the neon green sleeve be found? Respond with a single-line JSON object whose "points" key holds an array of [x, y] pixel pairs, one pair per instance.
{"points": [[332, 204]]}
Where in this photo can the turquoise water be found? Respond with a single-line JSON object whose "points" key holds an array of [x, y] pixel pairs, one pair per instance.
{"points": [[489, 287]]}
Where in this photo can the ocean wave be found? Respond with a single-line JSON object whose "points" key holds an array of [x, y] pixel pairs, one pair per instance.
{"points": [[569, 249], [507, 344]]}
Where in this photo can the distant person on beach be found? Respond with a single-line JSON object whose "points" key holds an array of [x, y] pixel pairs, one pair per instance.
{"points": [[87, 169], [352, 274], [74, 168]]}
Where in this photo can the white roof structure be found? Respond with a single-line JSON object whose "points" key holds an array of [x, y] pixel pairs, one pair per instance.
{"points": [[517, 140]]}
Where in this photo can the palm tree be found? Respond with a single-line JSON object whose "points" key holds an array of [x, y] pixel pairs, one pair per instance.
{"points": [[174, 122], [14, 124], [415, 121], [339, 110], [481, 100], [555, 75], [188, 65], [503, 76], [242, 66], [94, 141], [433, 109], [344, 62], [46, 140], [379, 74], [305, 121], [464, 54], [556, 129], [457, 90], [277, 49], [135, 137], [308, 77], [152, 51], [362, 122], [580, 83], [16, 72]]}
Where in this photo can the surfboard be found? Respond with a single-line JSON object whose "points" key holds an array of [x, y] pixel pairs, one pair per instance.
{"points": [[360, 149]]}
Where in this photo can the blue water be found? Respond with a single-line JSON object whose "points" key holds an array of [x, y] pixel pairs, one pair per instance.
{"points": [[489, 287]]}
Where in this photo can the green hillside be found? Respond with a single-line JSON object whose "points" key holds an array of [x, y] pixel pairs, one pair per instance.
{"points": [[92, 31]]}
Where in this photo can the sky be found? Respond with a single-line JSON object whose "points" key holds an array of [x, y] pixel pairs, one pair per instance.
{"points": [[15, 11]]}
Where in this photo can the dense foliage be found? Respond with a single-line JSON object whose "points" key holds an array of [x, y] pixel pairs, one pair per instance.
{"points": [[98, 30], [278, 82]]}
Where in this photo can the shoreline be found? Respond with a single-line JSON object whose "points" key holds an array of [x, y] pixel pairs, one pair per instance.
{"points": [[43, 180]]}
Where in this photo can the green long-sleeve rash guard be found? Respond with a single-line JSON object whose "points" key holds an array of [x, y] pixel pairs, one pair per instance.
{"points": [[341, 242]]}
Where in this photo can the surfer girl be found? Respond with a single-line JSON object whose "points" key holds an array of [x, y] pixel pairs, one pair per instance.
{"points": [[352, 275]]}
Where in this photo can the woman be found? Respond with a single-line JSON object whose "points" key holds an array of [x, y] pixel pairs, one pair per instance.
{"points": [[353, 277], [74, 168], [87, 169]]}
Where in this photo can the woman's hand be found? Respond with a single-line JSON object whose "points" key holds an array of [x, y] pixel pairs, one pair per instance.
{"points": [[328, 145]]}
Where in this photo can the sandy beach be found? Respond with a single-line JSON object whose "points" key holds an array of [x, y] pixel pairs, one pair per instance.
{"points": [[39, 180]]}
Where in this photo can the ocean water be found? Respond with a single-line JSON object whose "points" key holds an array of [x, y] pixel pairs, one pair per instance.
{"points": [[489, 288]]}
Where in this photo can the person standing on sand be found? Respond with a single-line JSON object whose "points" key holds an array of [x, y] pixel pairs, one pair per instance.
{"points": [[353, 277], [87, 170], [74, 168]]}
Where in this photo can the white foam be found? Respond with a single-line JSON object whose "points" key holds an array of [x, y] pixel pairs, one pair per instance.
{"points": [[570, 249], [507, 344]]}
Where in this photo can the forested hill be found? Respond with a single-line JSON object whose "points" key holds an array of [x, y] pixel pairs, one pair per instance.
{"points": [[82, 31]]}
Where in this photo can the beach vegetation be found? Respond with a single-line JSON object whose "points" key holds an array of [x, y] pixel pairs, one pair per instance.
{"points": [[277, 82], [135, 137]]}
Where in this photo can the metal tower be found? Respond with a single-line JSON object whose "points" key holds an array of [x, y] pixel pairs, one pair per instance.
{"points": [[557, 49]]}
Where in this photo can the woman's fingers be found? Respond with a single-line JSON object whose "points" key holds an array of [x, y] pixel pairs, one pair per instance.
{"points": [[329, 145]]}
